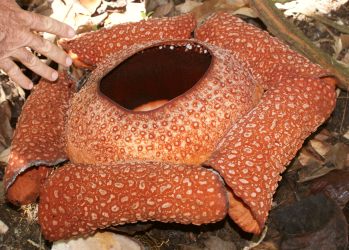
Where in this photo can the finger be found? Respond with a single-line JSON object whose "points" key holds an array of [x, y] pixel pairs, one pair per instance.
{"points": [[35, 64], [46, 24], [14, 72], [50, 50]]}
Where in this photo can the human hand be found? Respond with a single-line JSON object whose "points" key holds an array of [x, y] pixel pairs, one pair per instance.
{"points": [[17, 29]]}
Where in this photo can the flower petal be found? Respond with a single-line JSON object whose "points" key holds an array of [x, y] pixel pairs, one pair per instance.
{"points": [[38, 140], [256, 149], [78, 199], [90, 48]]}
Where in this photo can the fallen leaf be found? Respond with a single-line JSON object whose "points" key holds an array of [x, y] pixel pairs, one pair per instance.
{"points": [[188, 6], [164, 10], [245, 11], [310, 7], [335, 185], [91, 5], [4, 155], [214, 242], [3, 227], [320, 147], [315, 222], [105, 240], [211, 6]]}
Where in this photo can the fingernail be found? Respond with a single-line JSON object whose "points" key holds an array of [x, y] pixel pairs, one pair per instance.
{"points": [[30, 85], [68, 61], [71, 32], [54, 76]]}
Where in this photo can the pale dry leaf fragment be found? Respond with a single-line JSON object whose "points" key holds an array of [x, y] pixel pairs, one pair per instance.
{"points": [[133, 14], [345, 40], [188, 6], [30, 212], [337, 46], [91, 5], [211, 6], [6, 131], [345, 59], [4, 155], [102, 241], [245, 11], [346, 135], [306, 158], [323, 135], [339, 155], [215, 242], [164, 10], [320, 147], [3, 227], [309, 7]]}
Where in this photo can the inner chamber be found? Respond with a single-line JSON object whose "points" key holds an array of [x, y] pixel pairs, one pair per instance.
{"points": [[158, 73]]}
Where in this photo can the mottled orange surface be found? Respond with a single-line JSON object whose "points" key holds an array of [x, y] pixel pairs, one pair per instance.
{"points": [[244, 121]]}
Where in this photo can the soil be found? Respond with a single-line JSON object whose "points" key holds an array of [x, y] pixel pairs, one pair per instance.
{"points": [[283, 232]]}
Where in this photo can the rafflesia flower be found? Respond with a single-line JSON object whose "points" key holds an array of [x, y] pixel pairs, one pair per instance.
{"points": [[176, 123]]}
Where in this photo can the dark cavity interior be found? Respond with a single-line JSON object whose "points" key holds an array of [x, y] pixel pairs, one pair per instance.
{"points": [[156, 73]]}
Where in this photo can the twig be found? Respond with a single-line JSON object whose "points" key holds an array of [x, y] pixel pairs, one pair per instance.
{"points": [[288, 32], [34, 244], [325, 20]]}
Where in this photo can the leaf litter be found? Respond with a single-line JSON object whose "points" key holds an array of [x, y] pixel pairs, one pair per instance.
{"points": [[315, 187]]}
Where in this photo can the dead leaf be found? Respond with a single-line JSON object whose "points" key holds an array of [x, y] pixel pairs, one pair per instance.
{"points": [[315, 222], [4, 155], [345, 40], [335, 185], [245, 11], [211, 6], [188, 6], [309, 7], [214, 242], [320, 147], [104, 240], [164, 10], [91, 5], [133, 14]]}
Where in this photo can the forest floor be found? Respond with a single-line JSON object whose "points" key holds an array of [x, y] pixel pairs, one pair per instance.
{"points": [[310, 208]]}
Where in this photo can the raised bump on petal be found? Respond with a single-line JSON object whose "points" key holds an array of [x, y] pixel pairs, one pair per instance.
{"points": [[78, 199], [269, 59], [90, 48], [184, 130], [39, 138], [256, 149]]}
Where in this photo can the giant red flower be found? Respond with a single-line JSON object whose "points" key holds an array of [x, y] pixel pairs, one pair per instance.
{"points": [[162, 117]]}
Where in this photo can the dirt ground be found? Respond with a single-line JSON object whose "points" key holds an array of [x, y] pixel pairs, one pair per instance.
{"points": [[310, 204]]}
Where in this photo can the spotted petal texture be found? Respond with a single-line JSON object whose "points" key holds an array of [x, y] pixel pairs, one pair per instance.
{"points": [[256, 149], [128, 166], [90, 48], [184, 130], [78, 199], [39, 138], [269, 60]]}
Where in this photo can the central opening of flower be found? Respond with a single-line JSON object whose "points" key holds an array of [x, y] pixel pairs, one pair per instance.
{"points": [[153, 76]]}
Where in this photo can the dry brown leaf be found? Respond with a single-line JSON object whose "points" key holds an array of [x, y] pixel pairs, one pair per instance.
{"points": [[245, 11], [345, 40], [164, 10], [105, 240], [320, 147], [133, 14], [91, 5], [211, 6], [335, 158], [188, 6], [306, 158], [4, 155]]}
